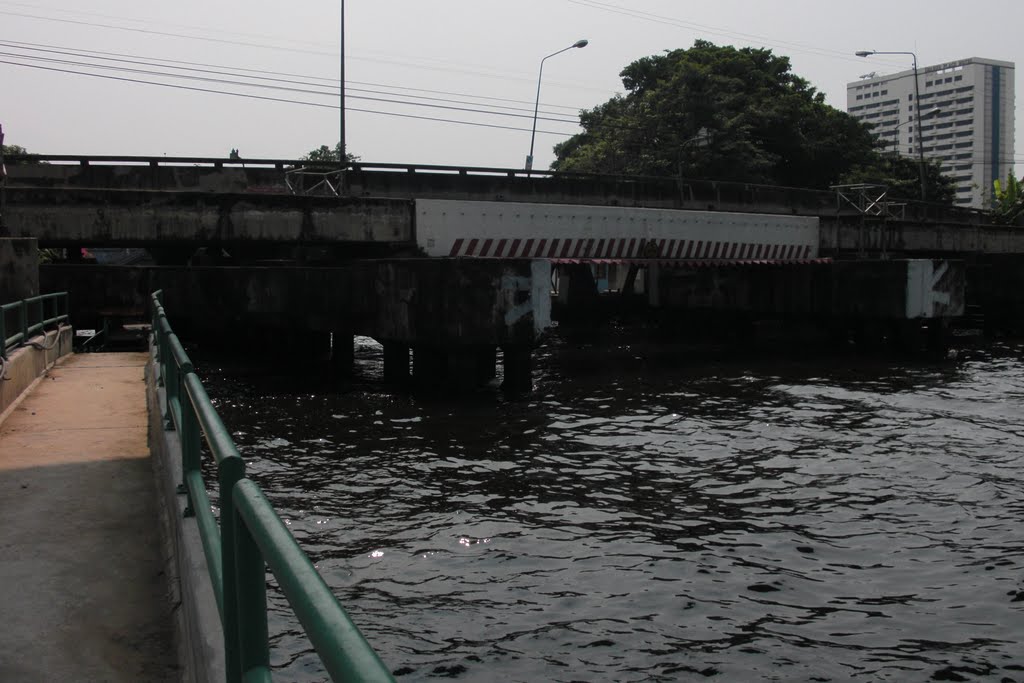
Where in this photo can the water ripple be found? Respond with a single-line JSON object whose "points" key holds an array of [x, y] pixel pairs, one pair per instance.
{"points": [[797, 521]]}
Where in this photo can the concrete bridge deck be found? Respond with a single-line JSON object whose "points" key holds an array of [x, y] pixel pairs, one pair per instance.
{"points": [[82, 579]]}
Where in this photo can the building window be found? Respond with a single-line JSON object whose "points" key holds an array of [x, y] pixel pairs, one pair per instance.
{"points": [[959, 78], [910, 97], [860, 97], [929, 84]]}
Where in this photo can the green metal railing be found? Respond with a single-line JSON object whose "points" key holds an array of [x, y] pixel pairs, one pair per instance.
{"points": [[249, 538], [32, 316]]}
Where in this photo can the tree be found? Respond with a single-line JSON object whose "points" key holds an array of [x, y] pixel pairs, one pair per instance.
{"points": [[324, 154], [17, 150], [902, 175], [720, 113], [1008, 207]]}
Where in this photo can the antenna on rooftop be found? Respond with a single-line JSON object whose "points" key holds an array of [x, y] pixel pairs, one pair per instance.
{"points": [[870, 75]]}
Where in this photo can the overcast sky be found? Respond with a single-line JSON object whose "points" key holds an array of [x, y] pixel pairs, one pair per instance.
{"points": [[454, 55]]}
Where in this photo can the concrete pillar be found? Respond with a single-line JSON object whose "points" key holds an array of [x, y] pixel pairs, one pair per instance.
{"points": [[342, 352], [429, 366], [652, 285], [19, 269], [396, 362], [486, 363], [518, 368]]}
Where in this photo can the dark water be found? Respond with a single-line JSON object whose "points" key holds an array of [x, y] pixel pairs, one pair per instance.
{"points": [[828, 519]]}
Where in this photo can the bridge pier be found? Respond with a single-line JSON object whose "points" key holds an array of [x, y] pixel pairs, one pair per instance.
{"points": [[396, 362], [343, 350], [19, 269], [453, 313], [464, 368], [518, 367]]}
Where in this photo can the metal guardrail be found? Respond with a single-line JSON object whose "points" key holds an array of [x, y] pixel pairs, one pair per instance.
{"points": [[249, 538], [33, 315], [686, 190]]}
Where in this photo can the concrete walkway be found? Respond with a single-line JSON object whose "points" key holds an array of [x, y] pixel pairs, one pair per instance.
{"points": [[83, 595]]}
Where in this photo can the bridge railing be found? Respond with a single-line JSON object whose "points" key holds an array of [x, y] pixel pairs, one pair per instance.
{"points": [[315, 177], [28, 317], [249, 538]]}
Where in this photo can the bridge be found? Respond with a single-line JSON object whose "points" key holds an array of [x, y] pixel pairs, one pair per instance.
{"points": [[451, 269], [153, 201], [446, 264]]}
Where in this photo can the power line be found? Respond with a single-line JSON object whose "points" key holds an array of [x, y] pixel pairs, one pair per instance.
{"points": [[170, 64], [266, 46], [280, 99], [331, 81], [143, 21], [204, 79]]}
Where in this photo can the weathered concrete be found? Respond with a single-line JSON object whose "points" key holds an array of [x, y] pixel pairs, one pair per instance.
{"points": [[910, 238], [384, 180], [888, 290], [198, 631], [26, 364], [19, 269], [82, 581], [72, 217], [413, 302]]}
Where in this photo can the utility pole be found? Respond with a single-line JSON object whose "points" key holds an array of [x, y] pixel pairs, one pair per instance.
{"points": [[342, 154]]}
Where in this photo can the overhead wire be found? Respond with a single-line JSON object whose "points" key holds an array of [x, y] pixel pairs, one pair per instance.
{"points": [[221, 70], [267, 46], [221, 81], [279, 99]]}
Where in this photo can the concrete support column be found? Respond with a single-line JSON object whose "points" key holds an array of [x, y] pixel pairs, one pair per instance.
{"points": [[396, 363], [429, 366], [19, 269], [486, 363], [518, 368], [653, 284], [342, 352]]}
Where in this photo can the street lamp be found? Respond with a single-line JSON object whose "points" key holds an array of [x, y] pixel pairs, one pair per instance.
{"points": [[536, 106], [917, 109]]}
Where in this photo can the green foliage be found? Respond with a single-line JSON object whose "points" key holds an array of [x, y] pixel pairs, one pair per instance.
{"points": [[902, 175], [12, 150], [1008, 204], [324, 154], [721, 113]]}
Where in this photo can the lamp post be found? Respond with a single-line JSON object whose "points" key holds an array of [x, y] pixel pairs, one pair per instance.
{"points": [[536, 106], [917, 109]]}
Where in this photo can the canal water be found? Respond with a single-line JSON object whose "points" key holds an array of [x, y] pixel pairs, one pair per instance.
{"points": [[646, 517]]}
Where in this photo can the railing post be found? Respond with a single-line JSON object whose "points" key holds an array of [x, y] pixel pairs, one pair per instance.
{"points": [[172, 385], [253, 639], [24, 321], [229, 472], [190, 438]]}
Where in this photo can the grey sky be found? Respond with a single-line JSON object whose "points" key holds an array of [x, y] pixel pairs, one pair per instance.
{"points": [[468, 49]]}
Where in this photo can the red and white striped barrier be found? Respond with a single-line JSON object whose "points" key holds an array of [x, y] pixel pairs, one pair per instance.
{"points": [[455, 228]]}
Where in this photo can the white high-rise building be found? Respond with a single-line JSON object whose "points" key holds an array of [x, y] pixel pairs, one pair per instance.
{"points": [[967, 114]]}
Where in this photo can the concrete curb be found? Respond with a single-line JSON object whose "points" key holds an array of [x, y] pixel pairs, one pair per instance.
{"points": [[198, 631], [27, 365]]}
